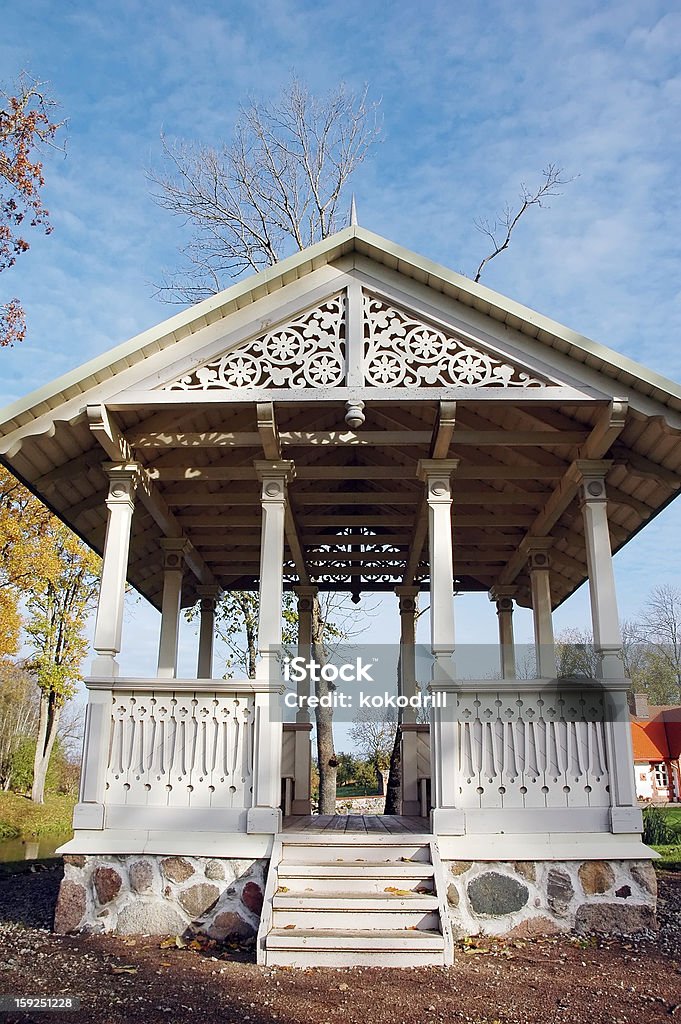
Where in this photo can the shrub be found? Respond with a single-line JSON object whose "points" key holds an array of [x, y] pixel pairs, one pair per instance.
{"points": [[657, 828]]}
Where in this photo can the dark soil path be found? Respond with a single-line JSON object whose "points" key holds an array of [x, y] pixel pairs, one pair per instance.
{"points": [[135, 980]]}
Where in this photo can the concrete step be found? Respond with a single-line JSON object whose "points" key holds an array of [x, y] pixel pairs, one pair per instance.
{"points": [[356, 879], [354, 852], [369, 947], [345, 869], [349, 919]]}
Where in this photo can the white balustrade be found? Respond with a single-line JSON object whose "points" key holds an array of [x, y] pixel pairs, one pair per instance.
{"points": [[179, 749]]}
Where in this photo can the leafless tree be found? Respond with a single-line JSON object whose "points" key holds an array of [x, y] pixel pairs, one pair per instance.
{"points": [[500, 230], [659, 629], [278, 186]]}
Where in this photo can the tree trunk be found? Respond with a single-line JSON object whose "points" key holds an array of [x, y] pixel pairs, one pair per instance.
{"points": [[326, 753], [47, 734], [393, 797]]}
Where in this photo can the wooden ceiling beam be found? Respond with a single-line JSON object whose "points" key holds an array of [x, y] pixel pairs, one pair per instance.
{"points": [[608, 427]]}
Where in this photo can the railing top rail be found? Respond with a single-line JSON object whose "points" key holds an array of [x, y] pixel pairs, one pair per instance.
{"points": [[155, 685], [529, 685]]}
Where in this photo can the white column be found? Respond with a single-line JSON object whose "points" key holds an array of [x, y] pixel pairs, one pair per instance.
{"points": [[306, 596], [407, 688], [273, 476], [265, 814], [174, 549], [625, 815], [445, 818], [437, 476], [208, 600], [302, 756], [503, 598], [120, 503], [539, 567], [605, 619]]}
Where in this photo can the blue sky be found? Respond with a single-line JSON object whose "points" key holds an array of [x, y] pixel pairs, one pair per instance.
{"points": [[475, 99]]}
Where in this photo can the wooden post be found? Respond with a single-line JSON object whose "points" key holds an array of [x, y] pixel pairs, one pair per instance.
{"points": [[436, 473], [302, 758], [120, 504], [407, 688], [503, 598], [209, 598], [539, 566], [174, 550]]}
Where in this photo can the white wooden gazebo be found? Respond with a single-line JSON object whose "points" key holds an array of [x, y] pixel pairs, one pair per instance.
{"points": [[356, 419]]}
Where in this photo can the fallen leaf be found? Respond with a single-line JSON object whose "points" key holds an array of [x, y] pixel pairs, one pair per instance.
{"points": [[282, 888], [287, 926], [167, 943], [127, 969], [397, 892]]}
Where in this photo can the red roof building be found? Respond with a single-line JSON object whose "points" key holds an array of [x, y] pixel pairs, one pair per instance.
{"points": [[656, 737]]}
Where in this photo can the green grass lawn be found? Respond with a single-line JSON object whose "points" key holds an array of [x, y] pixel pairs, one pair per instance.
{"points": [[670, 854], [19, 818]]}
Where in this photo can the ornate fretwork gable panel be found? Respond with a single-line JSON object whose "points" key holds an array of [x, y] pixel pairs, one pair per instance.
{"points": [[306, 352], [402, 350]]}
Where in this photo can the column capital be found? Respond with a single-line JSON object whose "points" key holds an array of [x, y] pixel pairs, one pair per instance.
{"points": [[591, 474], [427, 468], [536, 550], [407, 599], [500, 593], [306, 596], [123, 480], [175, 550], [208, 597], [274, 471]]}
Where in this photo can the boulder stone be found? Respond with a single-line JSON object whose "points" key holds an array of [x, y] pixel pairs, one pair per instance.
{"points": [[215, 870], [526, 868], [624, 892], [614, 919], [197, 899], [251, 897], [559, 891], [76, 860], [644, 875], [70, 909], [452, 896], [596, 876], [494, 894], [157, 918], [534, 927], [457, 867], [177, 869], [228, 926], [141, 874], [107, 883]]}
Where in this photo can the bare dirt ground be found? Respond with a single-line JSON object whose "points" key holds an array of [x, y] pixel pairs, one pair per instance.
{"points": [[137, 980]]}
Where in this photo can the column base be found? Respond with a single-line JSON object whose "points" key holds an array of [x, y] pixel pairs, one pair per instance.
{"points": [[626, 819], [88, 816], [447, 821], [264, 819]]}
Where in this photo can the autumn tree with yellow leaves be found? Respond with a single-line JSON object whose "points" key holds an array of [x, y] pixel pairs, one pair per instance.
{"points": [[48, 586]]}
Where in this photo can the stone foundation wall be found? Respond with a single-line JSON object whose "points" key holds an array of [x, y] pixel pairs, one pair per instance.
{"points": [[526, 898], [154, 895]]}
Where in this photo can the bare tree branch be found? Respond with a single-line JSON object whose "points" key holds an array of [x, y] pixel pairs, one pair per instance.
{"points": [[499, 232], [277, 187]]}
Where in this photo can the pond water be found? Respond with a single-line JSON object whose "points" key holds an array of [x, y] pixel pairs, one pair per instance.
{"points": [[31, 849]]}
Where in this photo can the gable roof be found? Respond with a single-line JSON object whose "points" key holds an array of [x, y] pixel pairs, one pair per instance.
{"points": [[657, 738], [395, 257], [46, 440]]}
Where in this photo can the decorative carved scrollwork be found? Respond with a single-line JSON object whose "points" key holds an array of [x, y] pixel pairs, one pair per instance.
{"points": [[307, 352], [400, 350]]}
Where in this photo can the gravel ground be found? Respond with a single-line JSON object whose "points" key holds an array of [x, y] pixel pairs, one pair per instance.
{"points": [[122, 980]]}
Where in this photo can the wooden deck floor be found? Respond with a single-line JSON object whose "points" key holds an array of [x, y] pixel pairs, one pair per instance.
{"points": [[386, 824]]}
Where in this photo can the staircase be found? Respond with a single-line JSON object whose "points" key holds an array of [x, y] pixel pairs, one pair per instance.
{"points": [[354, 899]]}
